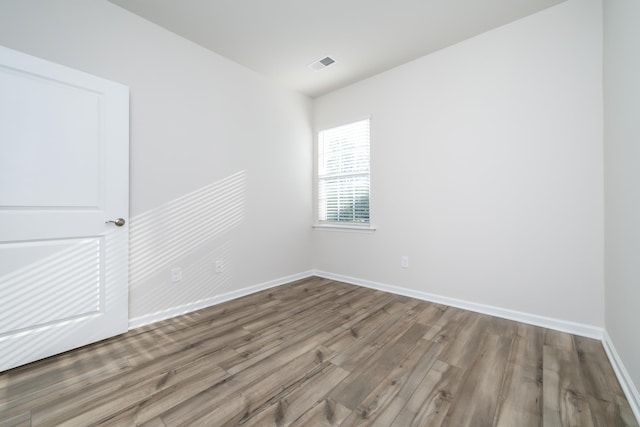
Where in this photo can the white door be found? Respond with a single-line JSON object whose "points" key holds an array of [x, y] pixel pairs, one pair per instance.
{"points": [[64, 172]]}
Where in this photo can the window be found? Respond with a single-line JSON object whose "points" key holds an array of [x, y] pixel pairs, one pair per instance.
{"points": [[343, 174]]}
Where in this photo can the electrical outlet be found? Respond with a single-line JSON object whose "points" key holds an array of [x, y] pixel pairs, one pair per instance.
{"points": [[404, 261], [176, 274], [219, 266]]}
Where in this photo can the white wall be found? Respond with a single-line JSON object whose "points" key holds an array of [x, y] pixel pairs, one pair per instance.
{"points": [[622, 180], [487, 161], [487, 169], [199, 123]]}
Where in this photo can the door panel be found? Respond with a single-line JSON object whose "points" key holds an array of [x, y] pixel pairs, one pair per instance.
{"points": [[63, 174], [39, 173], [69, 268]]}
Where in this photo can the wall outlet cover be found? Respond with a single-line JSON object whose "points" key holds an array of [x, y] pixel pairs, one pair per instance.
{"points": [[404, 261], [176, 274]]}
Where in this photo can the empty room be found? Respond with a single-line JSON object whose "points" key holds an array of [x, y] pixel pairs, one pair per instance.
{"points": [[337, 213]]}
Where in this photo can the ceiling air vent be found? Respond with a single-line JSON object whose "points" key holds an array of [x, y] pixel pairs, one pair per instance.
{"points": [[321, 63]]}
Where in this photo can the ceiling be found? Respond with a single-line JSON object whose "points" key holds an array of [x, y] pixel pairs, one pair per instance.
{"points": [[280, 38]]}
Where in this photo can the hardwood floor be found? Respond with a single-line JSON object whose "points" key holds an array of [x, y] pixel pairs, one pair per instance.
{"points": [[322, 353]]}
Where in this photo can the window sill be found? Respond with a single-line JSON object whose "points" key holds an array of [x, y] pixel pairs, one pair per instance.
{"points": [[349, 228]]}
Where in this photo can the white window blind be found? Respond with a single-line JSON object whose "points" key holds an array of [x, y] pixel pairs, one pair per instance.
{"points": [[343, 174]]}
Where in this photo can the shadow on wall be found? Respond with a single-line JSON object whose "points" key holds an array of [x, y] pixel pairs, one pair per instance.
{"points": [[162, 235], [184, 233]]}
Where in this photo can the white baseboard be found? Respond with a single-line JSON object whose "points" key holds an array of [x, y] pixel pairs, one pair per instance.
{"points": [[533, 319], [519, 316], [630, 390], [147, 319]]}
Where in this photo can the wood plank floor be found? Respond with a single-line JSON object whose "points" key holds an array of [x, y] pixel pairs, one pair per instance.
{"points": [[323, 353]]}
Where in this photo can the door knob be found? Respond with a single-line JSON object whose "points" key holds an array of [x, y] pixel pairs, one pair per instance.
{"points": [[119, 222]]}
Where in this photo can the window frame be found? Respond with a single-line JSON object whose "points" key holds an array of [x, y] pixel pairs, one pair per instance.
{"points": [[345, 226]]}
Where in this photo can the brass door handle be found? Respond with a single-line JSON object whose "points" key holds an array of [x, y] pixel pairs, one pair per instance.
{"points": [[118, 222]]}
